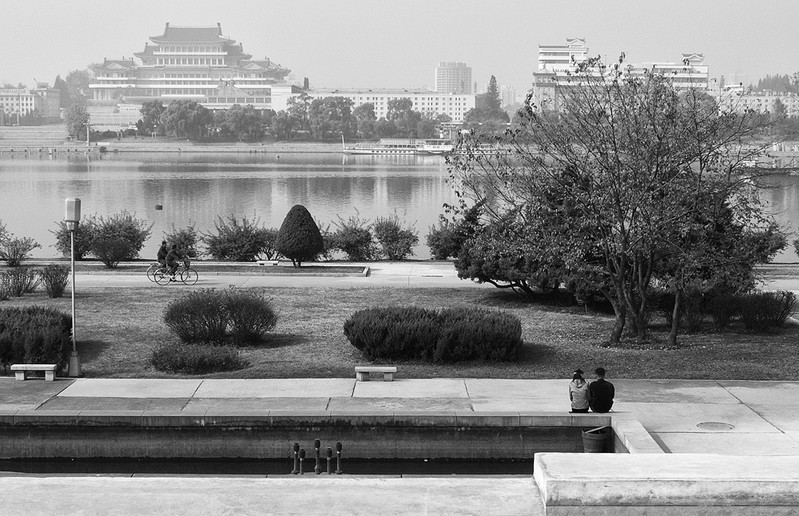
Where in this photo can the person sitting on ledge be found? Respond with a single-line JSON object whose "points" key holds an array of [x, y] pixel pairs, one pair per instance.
{"points": [[578, 392], [600, 392]]}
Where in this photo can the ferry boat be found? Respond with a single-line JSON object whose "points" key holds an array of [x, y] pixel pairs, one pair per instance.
{"points": [[410, 146]]}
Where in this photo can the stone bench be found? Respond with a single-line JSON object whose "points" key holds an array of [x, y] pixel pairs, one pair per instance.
{"points": [[21, 370], [362, 372]]}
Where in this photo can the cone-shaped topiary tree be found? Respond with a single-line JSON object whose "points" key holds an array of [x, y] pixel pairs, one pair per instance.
{"points": [[299, 238]]}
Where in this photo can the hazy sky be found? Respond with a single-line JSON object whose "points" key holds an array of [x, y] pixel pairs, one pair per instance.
{"points": [[377, 43]]}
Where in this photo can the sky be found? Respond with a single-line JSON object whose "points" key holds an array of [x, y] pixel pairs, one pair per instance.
{"points": [[391, 44]]}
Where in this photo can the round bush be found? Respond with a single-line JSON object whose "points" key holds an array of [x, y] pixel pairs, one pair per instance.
{"points": [[198, 317], [240, 317], [54, 278], [448, 335], [196, 359]]}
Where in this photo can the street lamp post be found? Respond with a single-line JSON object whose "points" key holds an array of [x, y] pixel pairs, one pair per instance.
{"points": [[72, 218]]}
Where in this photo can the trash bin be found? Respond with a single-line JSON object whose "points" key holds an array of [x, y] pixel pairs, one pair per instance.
{"points": [[594, 440]]}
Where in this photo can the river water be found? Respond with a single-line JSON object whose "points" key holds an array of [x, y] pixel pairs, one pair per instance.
{"points": [[196, 188]]}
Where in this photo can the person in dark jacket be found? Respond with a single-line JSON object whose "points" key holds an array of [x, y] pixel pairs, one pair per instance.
{"points": [[162, 252], [172, 259], [600, 392]]}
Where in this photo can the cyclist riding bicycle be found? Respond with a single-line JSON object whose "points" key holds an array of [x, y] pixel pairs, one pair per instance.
{"points": [[173, 258], [162, 252]]}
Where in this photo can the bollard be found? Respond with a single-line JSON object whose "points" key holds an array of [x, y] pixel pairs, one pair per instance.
{"points": [[296, 459], [317, 466], [330, 461], [302, 457], [339, 471]]}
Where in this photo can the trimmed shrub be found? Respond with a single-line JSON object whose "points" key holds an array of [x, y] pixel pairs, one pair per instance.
{"points": [[250, 316], [15, 250], [762, 310], [448, 335], [299, 239], [196, 359], [723, 307], [219, 316], [119, 237], [446, 240], [21, 280], [396, 241], [84, 235], [35, 335], [184, 238], [198, 316], [240, 240], [54, 278], [354, 238]]}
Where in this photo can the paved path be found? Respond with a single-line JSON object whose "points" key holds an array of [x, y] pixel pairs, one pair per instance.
{"points": [[684, 416], [397, 274]]}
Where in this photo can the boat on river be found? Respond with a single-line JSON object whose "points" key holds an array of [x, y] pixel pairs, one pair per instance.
{"points": [[402, 146]]}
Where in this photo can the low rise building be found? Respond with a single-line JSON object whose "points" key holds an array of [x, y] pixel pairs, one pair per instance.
{"points": [[16, 103], [424, 101]]}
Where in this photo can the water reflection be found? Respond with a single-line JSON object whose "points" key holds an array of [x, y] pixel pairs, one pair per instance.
{"points": [[197, 188]]}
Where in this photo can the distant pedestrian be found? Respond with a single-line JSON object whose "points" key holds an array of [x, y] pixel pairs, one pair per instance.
{"points": [[601, 392], [578, 392]]}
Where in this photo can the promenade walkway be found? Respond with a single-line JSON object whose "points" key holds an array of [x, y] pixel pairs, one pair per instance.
{"points": [[683, 416]]}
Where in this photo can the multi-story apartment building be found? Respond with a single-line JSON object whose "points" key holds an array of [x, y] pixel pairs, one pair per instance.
{"points": [[199, 64], [557, 62], [432, 102], [738, 99], [453, 77], [19, 102]]}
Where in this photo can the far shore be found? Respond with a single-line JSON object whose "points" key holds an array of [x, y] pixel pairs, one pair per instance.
{"points": [[141, 144]]}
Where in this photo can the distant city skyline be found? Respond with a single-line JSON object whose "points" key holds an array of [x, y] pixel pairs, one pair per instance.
{"points": [[363, 44]]}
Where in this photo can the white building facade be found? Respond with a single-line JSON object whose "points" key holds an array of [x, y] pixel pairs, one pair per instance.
{"points": [[556, 63], [424, 101], [191, 63]]}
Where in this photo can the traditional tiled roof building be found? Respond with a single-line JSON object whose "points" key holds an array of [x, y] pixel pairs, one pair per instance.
{"points": [[193, 63]]}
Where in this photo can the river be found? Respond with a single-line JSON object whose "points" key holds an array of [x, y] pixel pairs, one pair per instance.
{"points": [[197, 188]]}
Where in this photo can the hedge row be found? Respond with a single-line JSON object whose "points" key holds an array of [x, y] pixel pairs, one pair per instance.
{"points": [[447, 335], [34, 335]]}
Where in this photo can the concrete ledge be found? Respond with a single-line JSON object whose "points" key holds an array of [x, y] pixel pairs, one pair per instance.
{"points": [[604, 484], [631, 435]]}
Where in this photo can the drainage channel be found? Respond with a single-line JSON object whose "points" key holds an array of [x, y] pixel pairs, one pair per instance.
{"points": [[260, 467]]}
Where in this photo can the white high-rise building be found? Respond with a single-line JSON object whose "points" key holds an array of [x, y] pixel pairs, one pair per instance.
{"points": [[453, 77]]}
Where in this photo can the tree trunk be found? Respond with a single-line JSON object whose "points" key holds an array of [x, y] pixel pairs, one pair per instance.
{"points": [[675, 317]]}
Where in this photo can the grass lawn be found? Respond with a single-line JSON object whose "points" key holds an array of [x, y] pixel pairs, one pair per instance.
{"points": [[118, 327]]}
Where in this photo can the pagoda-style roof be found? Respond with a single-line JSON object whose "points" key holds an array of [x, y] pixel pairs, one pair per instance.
{"points": [[264, 64], [118, 64], [191, 35]]}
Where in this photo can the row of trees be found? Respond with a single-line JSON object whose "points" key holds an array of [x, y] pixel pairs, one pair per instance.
{"points": [[629, 185], [319, 119]]}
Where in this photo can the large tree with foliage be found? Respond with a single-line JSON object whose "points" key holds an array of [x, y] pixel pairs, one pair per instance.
{"points": [[77, 119], [607, 186], [150, 122], [298, 109], [365, 119], [401, 114], [487, 114], [243, 122], [331, 117], [186, 119]]}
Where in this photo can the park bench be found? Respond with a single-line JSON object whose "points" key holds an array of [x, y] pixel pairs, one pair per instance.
{"points": [[268, 262], [362, 372], [21, 370]]}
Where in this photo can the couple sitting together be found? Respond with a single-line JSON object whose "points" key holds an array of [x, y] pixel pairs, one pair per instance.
{"points": [[598, 394]]}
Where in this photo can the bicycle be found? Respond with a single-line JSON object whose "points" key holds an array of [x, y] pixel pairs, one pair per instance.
{"points": [[154, 267], [183, 272]]}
